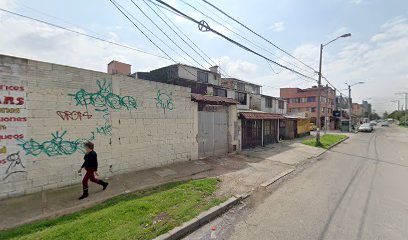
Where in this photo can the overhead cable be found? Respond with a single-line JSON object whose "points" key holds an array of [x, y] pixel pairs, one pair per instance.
{"points": [[81, 33], [257, 34], [242, 37], [208, 28], [168, 37]]}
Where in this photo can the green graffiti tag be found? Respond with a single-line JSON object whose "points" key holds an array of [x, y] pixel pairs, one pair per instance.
{"points": [[164, 100], [57, 146], [103, 100], [107, 127]]}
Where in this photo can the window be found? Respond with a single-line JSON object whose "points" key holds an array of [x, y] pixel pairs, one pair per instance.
{"points": [[281, 104], [241, 98], [268, 102], [311, 99], [220, 92], [256, 89], [202, 77], [295, 100], [240, 86], [312, 109]]}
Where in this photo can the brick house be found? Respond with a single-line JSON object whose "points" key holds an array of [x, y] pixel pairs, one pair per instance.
{"points": [[305, 100]]}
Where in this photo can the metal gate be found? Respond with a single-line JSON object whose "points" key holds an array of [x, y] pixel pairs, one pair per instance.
{"points": [[212, 132], [270, 131], [251, 133]]}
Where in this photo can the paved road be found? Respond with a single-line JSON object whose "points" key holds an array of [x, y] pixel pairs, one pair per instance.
{"points": [[359, 190]]}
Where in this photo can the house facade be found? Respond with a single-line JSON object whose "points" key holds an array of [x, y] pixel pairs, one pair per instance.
{"points": [[218, 129], [305, 100], [260, 115]]}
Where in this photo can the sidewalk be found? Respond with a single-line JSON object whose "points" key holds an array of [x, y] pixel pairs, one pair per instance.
{"points": [[240, 173]]}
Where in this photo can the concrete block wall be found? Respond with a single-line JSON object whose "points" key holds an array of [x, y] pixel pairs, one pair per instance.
{"points": [[134, 124]]}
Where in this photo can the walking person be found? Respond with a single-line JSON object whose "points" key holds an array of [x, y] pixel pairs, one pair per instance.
{"points": [[91, 166]]}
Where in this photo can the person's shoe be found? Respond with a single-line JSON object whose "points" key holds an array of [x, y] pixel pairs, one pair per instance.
{"points": [[104, 184], [84, 194]]}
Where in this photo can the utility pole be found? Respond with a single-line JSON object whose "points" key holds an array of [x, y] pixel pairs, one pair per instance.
{"points": [[319, 83], [406, 103], [327, 109], [350, 101], [398, 102], [318, 97], [350, 107]]}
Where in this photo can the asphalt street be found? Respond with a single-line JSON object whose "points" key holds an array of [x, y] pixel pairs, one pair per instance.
{"points": [[357, 190]]}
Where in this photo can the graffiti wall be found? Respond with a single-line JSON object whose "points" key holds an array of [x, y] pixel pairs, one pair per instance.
{"points": [[48, 111], [13, 125]]}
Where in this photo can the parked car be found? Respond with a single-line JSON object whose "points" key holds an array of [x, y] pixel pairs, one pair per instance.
{"points": [[365, 127], [373, 123], [312, 127], [385, 124]]}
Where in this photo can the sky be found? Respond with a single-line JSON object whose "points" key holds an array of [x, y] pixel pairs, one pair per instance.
{"points": [[376, 53]]}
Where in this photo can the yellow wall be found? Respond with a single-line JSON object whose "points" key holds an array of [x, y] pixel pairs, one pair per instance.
{"points": [[303, 125]]}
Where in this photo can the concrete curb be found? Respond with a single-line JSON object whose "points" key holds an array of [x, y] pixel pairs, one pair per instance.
{"points": [[201, 219], [276, 178], [331, 146]]}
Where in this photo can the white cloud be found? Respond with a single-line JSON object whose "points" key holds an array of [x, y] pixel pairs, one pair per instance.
{"points": [[41, 42], [277, 26], [237, 68], [8, 4], [357, 2], [381, 63]]}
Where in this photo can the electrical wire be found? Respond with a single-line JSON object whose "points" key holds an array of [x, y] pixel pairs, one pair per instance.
{"points": [[185, 35], [81, 33], [118, 6], [257, 34], [189, 45], [126, 13], [208, 28], [168, 37], [243, 37]]}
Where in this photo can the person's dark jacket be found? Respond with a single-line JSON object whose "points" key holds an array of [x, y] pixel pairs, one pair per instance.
{"points": [[91, 161]]}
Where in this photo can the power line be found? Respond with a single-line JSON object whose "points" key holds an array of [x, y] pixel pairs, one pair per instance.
{"points": [[114, 3], [208, 28], [252, 31], [179, 34], [161, 30], [81, 33], [242, 37], [126, 13], [191, 41]]}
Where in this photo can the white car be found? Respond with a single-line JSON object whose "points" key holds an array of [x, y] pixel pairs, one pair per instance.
{"points": [[365, 127], [385, 124]]}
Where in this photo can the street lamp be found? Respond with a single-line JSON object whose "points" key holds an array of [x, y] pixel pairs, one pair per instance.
{"points": [[319, 83], [350, 102], [406, 102]]}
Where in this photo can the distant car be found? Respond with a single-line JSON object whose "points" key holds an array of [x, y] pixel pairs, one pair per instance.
{"points": [[373, 123], [385, 124], [365, 127]]}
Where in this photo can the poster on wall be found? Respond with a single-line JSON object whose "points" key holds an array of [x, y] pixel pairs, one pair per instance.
{"points": [[13, 125]]}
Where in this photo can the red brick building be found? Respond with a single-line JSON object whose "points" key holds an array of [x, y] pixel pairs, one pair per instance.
{"points": [[305, 100]]}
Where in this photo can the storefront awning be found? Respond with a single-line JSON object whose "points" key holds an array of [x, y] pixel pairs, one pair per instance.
{"points": [[261, 116]]}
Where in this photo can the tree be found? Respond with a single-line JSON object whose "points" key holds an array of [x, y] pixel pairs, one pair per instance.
{"points": [[374, 116], [385, 115]]}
